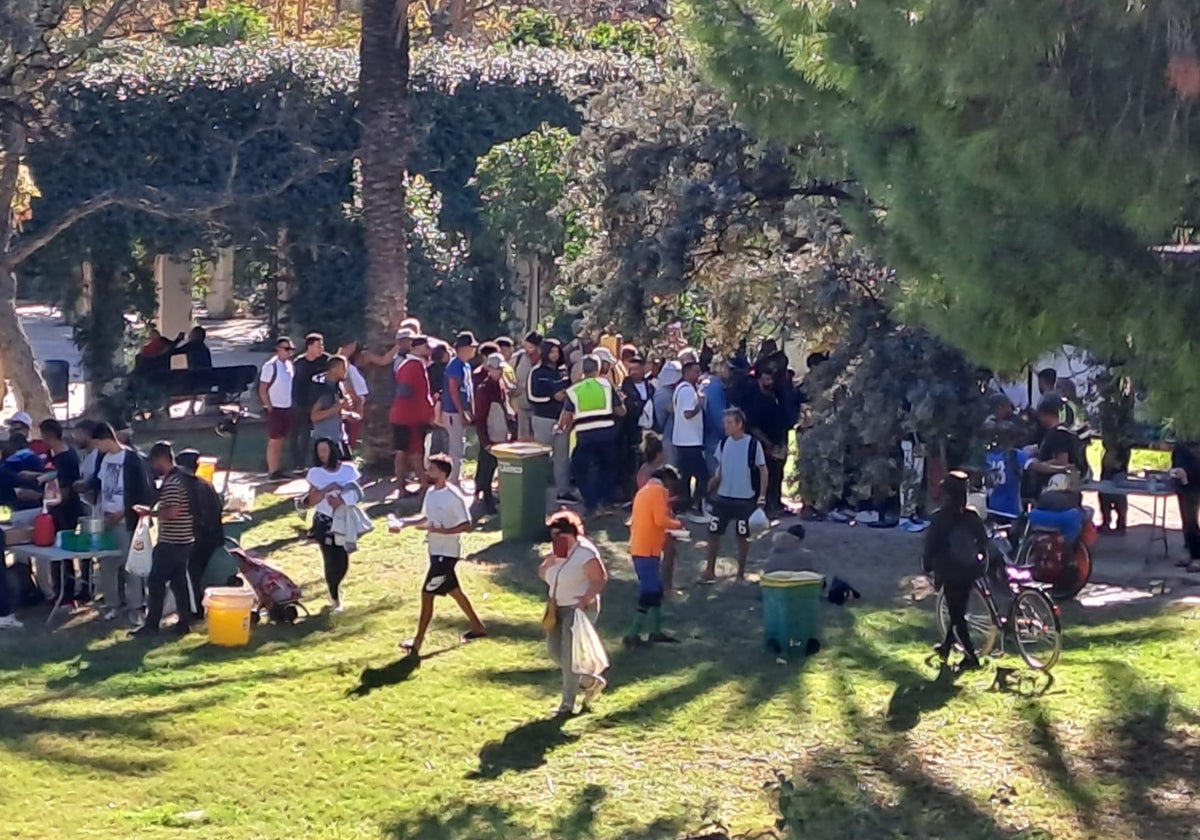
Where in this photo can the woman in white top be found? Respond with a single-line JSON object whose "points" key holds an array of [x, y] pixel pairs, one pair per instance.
{"points": [[575, 576], [332, 484], [356, 389]]}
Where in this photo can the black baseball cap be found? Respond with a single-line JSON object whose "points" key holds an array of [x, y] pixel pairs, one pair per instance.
{"points": [[1050, 404], [464, 339]]}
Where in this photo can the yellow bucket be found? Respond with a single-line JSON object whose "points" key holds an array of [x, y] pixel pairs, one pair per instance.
{"points": [[206, 468], [229, 615]]}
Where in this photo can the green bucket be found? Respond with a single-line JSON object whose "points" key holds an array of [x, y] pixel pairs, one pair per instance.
{"points": [[791, 609]]}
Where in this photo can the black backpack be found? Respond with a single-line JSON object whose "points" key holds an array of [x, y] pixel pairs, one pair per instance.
{"points": [[752, 460], [206, 511], [961, 556]]}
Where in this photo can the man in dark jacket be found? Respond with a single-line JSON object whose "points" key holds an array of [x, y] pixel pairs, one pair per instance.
{"points": [[639, 419]]}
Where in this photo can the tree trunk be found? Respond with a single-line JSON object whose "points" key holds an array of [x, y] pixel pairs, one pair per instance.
{"points": [[16, 354], [383, 114]]}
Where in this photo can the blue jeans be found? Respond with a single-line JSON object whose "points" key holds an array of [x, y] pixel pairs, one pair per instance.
{"points": [[594, 462]]}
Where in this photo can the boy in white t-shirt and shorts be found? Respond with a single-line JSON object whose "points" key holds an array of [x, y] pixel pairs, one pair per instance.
{"points": [[445, 516]]}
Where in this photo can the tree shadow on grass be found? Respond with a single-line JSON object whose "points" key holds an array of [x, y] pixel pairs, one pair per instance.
{"points": [[90, 667], [523, 749], [41, 737], [495, 821]]}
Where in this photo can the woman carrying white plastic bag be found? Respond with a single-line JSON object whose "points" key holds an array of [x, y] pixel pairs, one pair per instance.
{"points": [[575, 576], [588, 657]]}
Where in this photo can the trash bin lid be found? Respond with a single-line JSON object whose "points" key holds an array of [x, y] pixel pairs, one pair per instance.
{"points": [[519, 449], [783, 578]]}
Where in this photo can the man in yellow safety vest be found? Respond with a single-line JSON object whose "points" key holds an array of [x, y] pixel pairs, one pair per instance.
{"points": [[590, 410]]}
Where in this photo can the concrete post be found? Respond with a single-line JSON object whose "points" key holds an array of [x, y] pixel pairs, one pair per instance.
{"points": [[219, 299], [173, 279]]}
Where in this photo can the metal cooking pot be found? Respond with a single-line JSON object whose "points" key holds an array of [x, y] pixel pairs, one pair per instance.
{"points": [[91, 525]]}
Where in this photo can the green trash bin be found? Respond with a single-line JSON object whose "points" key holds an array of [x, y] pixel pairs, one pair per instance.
{"points": [[524, 476], [791, 609]]}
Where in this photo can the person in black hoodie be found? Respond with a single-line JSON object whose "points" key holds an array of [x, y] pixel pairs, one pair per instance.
{"points": [[1185, 469], [955, 554], [638, 394]]}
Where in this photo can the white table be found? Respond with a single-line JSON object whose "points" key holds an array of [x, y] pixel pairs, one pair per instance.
{"points": [[51, 555], [1158, 493]]}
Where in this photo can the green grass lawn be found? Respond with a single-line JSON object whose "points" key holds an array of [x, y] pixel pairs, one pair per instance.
{"points": [[322, 730]]}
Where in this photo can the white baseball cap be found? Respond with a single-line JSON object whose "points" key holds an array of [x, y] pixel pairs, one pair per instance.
{"points": [[403, 333], [21, 418], [605, 355], [671, 374]]}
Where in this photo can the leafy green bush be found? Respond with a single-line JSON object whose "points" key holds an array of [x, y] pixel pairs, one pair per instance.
{"points": [[235, 23]]}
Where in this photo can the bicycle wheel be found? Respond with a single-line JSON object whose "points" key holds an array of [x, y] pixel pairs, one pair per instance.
{"points": [[1036, 628], [979, 619], [1075, 575]]}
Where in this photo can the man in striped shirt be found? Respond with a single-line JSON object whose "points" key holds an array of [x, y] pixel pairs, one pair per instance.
{"points": [[176, 536]]}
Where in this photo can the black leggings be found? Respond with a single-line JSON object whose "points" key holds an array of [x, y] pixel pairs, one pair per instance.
{"points": [[337, 563], [485, 471], [958, 594]]}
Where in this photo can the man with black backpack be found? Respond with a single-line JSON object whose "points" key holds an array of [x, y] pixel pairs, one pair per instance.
{"points": [[209, 531], [736, 491]]}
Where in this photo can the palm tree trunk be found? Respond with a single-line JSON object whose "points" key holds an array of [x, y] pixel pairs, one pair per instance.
{"points": [[383, 113]]}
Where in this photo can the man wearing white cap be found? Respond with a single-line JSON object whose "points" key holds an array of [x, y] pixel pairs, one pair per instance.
{"points": [[664, 418], [22, 424]]}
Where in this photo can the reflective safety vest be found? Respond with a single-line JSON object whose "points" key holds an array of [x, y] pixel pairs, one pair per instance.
{"points": [[593, 401]]}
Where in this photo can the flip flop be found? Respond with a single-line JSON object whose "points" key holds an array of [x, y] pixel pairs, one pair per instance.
{"points": [[472, 635], [407, 645]]}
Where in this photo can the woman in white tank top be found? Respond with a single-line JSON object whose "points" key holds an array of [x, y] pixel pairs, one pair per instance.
{"points": [[575, 576]]}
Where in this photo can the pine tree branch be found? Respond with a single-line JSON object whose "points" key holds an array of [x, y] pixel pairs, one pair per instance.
{"points": [[165, 204]]}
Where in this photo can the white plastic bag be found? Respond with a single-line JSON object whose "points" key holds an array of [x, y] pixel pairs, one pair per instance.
{"points": [[759, 522], [588, 656], [141, 550]]}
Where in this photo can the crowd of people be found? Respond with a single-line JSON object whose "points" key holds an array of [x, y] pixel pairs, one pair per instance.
{"points": [[98, 475], [594, 404]]}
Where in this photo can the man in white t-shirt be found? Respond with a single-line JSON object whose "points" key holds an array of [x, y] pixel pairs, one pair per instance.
{"points": [[687, 439], [445, 516], [275, 394]]}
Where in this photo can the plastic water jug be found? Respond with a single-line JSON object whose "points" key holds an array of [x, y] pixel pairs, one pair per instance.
{"points": [[44, 532]]}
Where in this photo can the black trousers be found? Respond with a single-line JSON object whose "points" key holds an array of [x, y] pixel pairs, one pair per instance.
{"points": [[300, 443], [202, 552], [170, 567], [337, 563], [775, 483], [1189, 516], [485, 473], [958, 594]]}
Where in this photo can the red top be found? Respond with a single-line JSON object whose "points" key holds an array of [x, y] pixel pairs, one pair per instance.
{"points": [[487, 392], [411, 405]]}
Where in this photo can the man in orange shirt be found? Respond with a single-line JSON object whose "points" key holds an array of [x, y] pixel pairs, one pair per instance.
{"points": [[650, 521]]}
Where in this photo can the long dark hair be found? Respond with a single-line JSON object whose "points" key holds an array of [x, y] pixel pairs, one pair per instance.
{"points": [[335, 454], [549, 345]]}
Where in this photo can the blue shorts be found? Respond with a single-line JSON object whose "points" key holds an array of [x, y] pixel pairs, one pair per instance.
{"points": [[650, 589]]}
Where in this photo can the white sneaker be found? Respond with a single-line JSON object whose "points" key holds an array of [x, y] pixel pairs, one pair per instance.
{"points": [[913, 525], [697, 518], [10, 622], [867, 517], [336, 608], [839, 516], [110, 615]]}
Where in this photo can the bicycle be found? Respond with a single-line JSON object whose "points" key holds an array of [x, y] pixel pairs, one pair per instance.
{"points": [[1032, 617]]}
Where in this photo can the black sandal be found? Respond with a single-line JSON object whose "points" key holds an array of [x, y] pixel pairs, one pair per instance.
{"points": [[472, 635]]}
